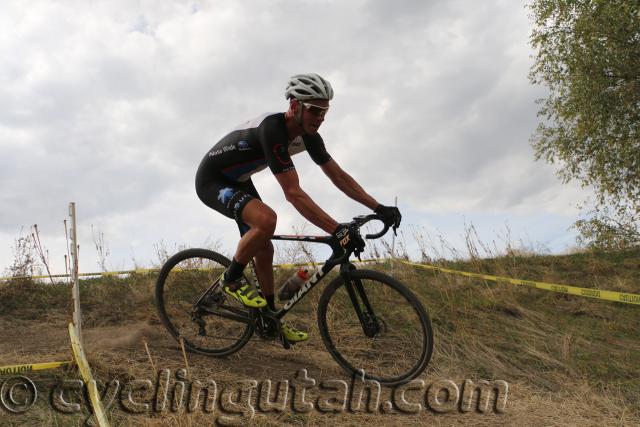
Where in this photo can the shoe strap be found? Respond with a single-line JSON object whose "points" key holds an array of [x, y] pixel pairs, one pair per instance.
{"points": [[248, 291]]}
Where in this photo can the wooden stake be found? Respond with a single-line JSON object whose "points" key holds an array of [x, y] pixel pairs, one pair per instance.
{"points": [[146, 347], [184, 354]]}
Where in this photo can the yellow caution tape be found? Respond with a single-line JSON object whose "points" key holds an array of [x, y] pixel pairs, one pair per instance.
{"points": [[85, 372], [32, 277], [30, 367], [102, 273], [565, 289], [571, 290], [155, 270]]}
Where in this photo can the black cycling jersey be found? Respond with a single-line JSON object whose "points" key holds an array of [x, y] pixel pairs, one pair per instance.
{"points": [[256, 144], [223, 178]]}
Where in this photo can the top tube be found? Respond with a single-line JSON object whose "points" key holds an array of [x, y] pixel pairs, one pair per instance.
{"points": [[339, 255]]}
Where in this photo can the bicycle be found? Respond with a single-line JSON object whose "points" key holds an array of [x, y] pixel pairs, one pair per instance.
{"points": [[368, 320]]}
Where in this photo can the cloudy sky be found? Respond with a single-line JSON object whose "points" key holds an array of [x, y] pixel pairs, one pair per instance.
{"points": [[112, 104]]}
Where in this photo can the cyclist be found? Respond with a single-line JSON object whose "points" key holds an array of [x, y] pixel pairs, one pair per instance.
{"points": [[223, 182]]}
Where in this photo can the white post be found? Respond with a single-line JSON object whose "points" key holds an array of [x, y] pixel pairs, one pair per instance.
{"points": [[75, 333], [74, 268]]}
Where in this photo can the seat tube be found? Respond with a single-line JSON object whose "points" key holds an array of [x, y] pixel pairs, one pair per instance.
{"points": [[254, 275]]}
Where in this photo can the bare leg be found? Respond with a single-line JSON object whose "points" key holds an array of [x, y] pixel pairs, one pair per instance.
{"points": [[264, 268], [256, 242]]}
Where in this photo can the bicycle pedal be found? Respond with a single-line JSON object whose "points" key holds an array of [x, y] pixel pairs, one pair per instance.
{"points": [[285, 342]]}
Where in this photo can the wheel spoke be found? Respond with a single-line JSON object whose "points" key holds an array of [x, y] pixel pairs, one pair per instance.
{"points": [[401, 346], [218, 325]]}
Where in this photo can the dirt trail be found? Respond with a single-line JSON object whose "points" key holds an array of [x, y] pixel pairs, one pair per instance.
{"points": [[116, 351], [30, 342]]}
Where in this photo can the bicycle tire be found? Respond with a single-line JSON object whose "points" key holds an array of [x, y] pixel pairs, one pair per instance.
{"points": [[182, 280], [405, 349]]}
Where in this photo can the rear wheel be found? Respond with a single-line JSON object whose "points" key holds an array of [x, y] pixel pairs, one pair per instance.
{"points": [[374, 323], [192, 307]]}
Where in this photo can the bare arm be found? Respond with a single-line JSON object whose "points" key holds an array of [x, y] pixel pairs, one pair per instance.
{"points": [[347, 184], [303, 203]]}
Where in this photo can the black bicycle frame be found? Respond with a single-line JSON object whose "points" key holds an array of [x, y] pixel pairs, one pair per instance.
{"points": [[338, 257]]}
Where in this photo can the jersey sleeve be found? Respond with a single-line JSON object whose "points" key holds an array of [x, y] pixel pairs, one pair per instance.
{"points": [[272, 137], [317, 150]]}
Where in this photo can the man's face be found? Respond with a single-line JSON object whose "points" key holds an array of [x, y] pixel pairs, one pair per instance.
{"points": [[313, 112]]}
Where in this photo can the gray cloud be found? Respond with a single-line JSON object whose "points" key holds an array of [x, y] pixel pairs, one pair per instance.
{"points": [[112, 104]]}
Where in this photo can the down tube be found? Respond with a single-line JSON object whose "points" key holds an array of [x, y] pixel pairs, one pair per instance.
{"points": [[304, 289]]}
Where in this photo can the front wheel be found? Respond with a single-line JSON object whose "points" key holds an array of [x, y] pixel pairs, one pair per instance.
{"points": [[374, 323], [193, 309]]}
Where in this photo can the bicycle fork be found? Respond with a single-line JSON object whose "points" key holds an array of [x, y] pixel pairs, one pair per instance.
{"points": [[355, 289]]}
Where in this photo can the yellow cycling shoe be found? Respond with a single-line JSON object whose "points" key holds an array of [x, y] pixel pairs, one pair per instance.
{"points": [[247, 295], [292, 334]]}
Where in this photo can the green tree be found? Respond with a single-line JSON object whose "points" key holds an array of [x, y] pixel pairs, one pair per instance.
{"points": [[588, 56]]}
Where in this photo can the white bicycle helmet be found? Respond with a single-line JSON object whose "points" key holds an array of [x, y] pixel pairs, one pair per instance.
{"points": [[308, 86]]}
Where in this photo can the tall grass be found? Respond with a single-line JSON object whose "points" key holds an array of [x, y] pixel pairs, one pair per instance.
{"points": [[568, 360]]}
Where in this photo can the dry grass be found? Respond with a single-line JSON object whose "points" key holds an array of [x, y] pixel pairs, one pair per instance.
{"points": [[568, 361]]}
